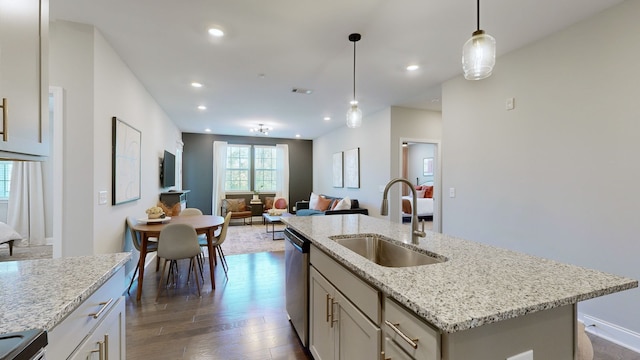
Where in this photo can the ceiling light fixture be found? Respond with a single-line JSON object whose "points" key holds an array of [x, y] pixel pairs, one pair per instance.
{"points": [[261, 129], [216, 32], [413, 67], [202, 107], [478, 53], [354, 115], [196, 84], [327, 118]]}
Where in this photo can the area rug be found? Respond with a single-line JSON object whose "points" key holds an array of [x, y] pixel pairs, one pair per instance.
{"points": [[245, 239], [26, 252]]}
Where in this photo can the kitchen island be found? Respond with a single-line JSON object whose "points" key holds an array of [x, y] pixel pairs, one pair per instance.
{"points": [[478, 290], [47, 294]]}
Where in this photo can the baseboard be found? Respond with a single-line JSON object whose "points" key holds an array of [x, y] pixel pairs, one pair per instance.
{"points": [[611, 332], [48, 241]]}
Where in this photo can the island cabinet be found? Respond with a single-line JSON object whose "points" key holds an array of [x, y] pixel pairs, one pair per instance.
{"points": [[24, 122], [407, 336], [96, 328], [338, 328]]}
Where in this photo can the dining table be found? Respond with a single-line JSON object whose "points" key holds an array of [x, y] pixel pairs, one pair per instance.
{"points": [[151, 228]]}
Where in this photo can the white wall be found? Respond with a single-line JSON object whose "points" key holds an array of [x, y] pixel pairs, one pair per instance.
{"points": [[98, 86], [556, 177], [416, 153], [379, 140]]}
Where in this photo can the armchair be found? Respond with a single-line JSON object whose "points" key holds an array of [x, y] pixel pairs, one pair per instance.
{"points": [[238, 208]]}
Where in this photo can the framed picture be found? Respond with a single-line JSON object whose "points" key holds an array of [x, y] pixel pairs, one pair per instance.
{"points": [[352, 168], [337, 170], [428, 167], [125, 162]]}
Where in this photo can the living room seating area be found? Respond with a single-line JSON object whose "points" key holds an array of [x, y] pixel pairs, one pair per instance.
{"points": [[329, 205]]}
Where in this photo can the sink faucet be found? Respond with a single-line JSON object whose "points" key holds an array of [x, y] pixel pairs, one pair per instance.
{"points": [[384, 209]]}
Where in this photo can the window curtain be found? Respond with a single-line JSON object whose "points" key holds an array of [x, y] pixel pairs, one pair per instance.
{"points": [[219, 175], [25, 213], [282, 171]]}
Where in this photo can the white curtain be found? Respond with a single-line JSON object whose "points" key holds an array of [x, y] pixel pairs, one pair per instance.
{"points": [[219, 175], [25, 212], [282, 171]]}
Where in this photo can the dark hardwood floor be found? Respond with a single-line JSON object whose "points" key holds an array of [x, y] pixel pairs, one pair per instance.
{"points": [[244, 318]]}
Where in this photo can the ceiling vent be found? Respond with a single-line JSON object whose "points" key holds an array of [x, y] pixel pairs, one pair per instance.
{"points": [[301, 91]]}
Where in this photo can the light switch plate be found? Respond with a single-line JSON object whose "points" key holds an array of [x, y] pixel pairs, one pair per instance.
{"points": [[527, 355], [452, 192], [102, 197]]}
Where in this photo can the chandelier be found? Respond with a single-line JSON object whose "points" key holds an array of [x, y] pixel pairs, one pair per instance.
{"points": [[261, 129]]}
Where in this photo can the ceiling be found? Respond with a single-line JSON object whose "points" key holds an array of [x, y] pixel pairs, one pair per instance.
{"points": [[273, 46]]}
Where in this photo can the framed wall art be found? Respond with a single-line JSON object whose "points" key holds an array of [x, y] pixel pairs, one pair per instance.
{"points": [[427, 167], [337, 170], [352, 168], [125, 162]]}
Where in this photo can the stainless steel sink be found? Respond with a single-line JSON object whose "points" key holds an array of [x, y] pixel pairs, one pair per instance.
{"points": [[383, 252]]}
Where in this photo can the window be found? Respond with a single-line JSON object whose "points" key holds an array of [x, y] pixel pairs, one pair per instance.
{"points": [[238, 168], [5, 179], [265, 168]]}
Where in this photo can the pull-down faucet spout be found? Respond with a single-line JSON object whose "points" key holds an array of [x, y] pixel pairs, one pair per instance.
{"points": [[384, 209]]}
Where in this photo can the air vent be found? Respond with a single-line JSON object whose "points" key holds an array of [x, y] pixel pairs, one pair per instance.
{"points": [[301, 91]]}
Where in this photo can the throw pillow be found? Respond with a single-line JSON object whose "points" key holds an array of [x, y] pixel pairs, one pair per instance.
{"points": [[268, 202], [429, 191], [280, 203], [322, 203], [313, 201], [420, 193], [344, 204], [170, 211], [235, 205]]}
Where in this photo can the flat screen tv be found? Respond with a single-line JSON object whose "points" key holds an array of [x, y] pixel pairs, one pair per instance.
{"points": [[168, 171]]}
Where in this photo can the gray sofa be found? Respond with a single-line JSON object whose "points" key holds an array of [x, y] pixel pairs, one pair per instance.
{"points": [[302, 208]]}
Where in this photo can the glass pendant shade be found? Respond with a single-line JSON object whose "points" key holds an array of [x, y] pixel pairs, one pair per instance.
{"points": [[478, 56], [354, 116]]}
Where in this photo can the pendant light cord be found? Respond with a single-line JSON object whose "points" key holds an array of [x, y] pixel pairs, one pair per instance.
{"points": [[478, 15], [354, 70]]}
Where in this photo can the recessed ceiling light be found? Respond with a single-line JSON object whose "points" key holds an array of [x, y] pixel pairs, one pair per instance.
{"points": [[216, 32], [202, 107], [196, 84], [413, 67], [327, 118], [207, 130], [297, 135]]}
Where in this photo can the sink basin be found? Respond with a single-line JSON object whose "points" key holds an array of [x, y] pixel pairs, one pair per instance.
{"points": [[383, 252]]}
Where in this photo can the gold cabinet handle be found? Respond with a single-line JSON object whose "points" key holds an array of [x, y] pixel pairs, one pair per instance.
{"points": [[327, 301], [100, 350], [5, 114], [333, 315], [404, 337], [106, 346], [105, 305]]}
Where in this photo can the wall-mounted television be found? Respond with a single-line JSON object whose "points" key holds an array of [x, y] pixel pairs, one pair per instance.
{"points": [[168, 170]]}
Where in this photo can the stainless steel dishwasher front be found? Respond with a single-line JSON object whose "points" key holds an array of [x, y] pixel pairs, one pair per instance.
{"points": [[296, 250]]}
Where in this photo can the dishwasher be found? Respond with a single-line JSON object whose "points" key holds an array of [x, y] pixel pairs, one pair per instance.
{"points": [[296, 253]]}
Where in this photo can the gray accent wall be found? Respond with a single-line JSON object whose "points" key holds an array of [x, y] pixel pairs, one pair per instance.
{"points": [[197, 166]]}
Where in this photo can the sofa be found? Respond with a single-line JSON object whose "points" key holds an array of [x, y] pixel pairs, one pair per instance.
{"points": [[302, 207]]}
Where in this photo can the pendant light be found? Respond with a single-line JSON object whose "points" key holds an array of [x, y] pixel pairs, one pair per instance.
{"points": [[478, 53], [354, 115]]}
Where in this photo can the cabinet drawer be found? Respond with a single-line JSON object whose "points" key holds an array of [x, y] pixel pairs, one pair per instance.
{"points": [[427, 340], [68, 334], [359, 292], [393, 352]]}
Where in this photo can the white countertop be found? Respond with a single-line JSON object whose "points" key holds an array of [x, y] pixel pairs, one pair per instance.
{"points": [[477, 285], [38, 294]]}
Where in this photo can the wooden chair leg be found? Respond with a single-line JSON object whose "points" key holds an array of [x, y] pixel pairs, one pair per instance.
{"points": [[133, 277]]}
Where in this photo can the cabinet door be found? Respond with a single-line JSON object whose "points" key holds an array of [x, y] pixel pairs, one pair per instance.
{"points": [[107, 341], [393, 352], [358, 337], [321, 328], [21, 65]]}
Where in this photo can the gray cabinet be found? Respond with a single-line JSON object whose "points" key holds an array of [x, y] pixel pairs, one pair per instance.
{"points": [[107, 340], [23, 79], [338, 329]]}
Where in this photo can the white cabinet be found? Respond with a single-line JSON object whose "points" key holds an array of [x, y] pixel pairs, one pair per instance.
{"points": [[24, 123], [107, 340], [338, 329], [100, 317]]}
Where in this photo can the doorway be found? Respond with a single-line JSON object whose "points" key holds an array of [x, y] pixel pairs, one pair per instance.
{"points": [[420, 164]]}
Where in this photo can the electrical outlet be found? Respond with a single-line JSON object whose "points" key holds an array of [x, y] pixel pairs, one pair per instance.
{"points": [[527, 355], [452, 192]]}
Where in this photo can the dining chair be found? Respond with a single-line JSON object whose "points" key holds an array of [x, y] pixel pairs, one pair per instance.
{"points": [[177, 242], [152, 246], [218, 242], [202, 238]]}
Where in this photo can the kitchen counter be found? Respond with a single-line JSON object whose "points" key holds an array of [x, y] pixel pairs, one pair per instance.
{"points": [[477, 285], [39, 294]]}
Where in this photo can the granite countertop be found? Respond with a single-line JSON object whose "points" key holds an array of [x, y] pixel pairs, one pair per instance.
{"points": [[38, 294], [477, 285]]}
